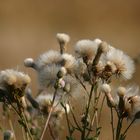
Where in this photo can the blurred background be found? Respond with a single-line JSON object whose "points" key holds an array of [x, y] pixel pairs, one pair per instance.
{"points": [[29, 27]]}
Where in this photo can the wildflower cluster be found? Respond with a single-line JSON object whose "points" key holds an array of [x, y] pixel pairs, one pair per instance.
{"points": [[62, 78], [12, 84]]}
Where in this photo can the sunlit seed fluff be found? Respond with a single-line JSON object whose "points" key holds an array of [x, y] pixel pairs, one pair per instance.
{"points": [[29, 62], [133, 107], [111, 99], [104, 47], [67, 108], [99, 67], [47, 75], [45, 99], [86, 48], [106, 88], [62, 72], [23, 101], [68, 61], [62, 38], [132, 101], [50, 57], [124, 64], [112, 66], [74, 91], [135, 101], [132, 90], [97, 40], [80, 67], [13, 77], [121, 91]]}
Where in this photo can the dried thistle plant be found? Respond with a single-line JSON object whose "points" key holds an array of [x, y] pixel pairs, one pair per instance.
{"points": [[62, 78]]}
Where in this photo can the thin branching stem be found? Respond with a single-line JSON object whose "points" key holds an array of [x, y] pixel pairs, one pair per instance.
{"points": [[49, 115], [20, 115], [11, 126], [95, 114], [27, 126], [112, 122], [87, 111], [23, 118], [96, 100], [74, 118], [97, 121], [119, 127], [68, 121], [101, 108], [124, 133], [51, 132], [23, 134], [82, 84]]}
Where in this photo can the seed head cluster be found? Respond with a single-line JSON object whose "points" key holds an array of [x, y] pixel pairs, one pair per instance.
{"points": [[64, 78]]}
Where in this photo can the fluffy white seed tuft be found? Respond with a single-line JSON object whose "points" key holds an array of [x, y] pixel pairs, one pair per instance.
{"points": [[124, 64], [29, 62], [50, 57], [106, 88], [62, 38], [63, 70], [68, 61], [13, 77], [86, 48], [121, 91]]}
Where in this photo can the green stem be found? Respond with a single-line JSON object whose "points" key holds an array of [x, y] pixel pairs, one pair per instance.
{"points": [[27, 126], [86, 114], [21, 116], [96, 101], [112, 123]]}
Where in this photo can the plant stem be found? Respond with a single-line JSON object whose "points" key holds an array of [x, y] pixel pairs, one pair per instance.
{"points": [[51, 132], [74, 118], [23, 118], [27, 127], [124, 133], [68, 122], [49, 115], [20, 113], [95, 114], [119, 127], [24, 138], [102, 103], [87, 111], [82, 84], [11, 126], [112, 122]]}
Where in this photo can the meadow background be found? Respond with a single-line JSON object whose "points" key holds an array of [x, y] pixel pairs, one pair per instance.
{"points": [[28, 28]]}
